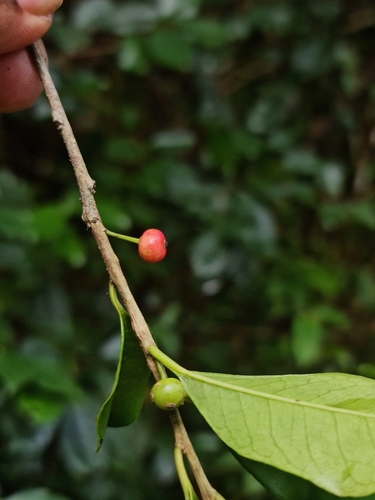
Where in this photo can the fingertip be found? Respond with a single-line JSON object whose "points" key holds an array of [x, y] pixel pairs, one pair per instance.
{"points": [[19, 31], [40, 7], [20, 84]]}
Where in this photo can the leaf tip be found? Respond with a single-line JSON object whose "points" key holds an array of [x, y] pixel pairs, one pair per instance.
{"points": [[98, 444]]}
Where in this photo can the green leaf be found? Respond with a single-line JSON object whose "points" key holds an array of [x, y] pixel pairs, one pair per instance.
{"points": [[308, 332], [286, 486], [132, 58], [207, 32], [318, 277], [125, 150], [320, 427], [170, 50], [36, 494], [40, 407], [358, 212], [307, 337], [126, 399], [17, 371]]}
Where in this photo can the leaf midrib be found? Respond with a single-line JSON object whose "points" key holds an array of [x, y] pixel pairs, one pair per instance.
{"points": [[266, 395], [183, 372]]}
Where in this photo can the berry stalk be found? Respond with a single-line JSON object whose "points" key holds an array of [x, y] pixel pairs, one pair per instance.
{"points": [[152, 245]]}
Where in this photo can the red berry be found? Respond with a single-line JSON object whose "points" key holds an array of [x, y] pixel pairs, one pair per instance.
{"points": [[152, 245]]}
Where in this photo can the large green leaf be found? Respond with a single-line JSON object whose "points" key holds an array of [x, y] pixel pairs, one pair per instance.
{"points": [[286, 486], [128, 392], [320, 427]]}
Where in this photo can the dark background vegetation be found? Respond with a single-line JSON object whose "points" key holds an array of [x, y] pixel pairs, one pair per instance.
{"points": [[245, 131]]}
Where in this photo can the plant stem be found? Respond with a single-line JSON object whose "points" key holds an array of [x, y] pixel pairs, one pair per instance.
{"points": [[90, 213], [122, 236], [186, 485], [183, 442], [91, 217], [161, 370], [181, 437], [167, 361]]}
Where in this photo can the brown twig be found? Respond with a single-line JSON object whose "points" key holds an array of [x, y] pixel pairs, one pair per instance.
{"points": [[91, 217], [183, 442], [90, 213]]}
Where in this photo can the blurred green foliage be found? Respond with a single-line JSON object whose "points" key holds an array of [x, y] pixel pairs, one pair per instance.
{"points": [[245, 132]]}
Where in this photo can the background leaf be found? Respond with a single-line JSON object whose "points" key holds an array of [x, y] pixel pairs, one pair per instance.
{"points": [[36, 494], [307, 338]]}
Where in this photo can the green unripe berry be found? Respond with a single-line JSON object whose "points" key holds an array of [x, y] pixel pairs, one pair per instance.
{"points": [[168, 394]]}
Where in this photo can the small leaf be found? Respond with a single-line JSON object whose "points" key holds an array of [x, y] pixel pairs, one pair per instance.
{"points": [[126, 399], [320, 427]]}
